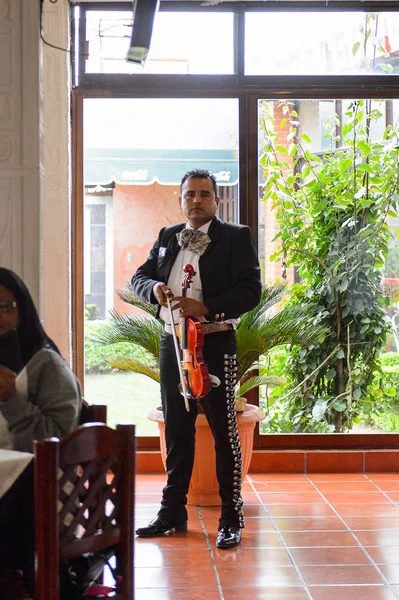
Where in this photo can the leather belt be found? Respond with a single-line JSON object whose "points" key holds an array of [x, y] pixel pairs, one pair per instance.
{"points": [[216, 327], [208, 327]]}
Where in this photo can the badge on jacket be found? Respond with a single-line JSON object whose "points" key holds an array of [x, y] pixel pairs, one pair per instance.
{"points": [[162, 251]]}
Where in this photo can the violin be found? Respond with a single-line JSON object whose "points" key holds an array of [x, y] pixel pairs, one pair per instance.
{"points": [[191, 335]]}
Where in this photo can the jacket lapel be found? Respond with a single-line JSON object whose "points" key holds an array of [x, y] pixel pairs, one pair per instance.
{"points": [[214, 233]]}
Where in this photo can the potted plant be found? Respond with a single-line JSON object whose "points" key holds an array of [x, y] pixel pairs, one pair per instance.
{"points": [[259, 330], [271, 323]]}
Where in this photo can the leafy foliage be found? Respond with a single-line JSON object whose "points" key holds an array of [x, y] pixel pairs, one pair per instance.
{"points": [[96, 356], [133, 331], [370, 38], [332, 212], [389, 359], [264, 328], [91, 312], [259, 330]]}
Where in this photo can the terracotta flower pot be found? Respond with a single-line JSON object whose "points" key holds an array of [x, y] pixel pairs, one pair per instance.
{"points": [[204, 487]]}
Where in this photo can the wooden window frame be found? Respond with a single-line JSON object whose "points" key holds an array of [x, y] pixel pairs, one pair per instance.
{"points": [[248, 90]]}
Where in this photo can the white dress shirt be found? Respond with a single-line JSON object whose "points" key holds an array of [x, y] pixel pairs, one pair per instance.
{"points": [[176, 277]]}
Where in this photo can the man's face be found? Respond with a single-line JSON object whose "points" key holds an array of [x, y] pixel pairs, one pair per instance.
{"points": [[198, 201]]}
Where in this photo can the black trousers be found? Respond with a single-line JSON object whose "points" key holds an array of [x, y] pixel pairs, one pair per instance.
{"points": [[219, 407], [17, 530]]}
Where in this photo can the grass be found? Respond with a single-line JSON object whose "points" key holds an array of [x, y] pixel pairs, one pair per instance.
{"points": [[128, 396], [131, 396]]}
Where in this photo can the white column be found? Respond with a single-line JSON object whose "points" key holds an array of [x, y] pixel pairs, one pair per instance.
{"points": [[21, 132], [56, 215], [34, 157]]}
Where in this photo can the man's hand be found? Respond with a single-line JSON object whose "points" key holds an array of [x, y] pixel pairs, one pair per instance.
{"points": [[7, 383], [189, 307], [161, 292]]}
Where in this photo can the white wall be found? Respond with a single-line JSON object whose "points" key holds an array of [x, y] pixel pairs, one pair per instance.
{"points": [[34, 157], [21, 164]]}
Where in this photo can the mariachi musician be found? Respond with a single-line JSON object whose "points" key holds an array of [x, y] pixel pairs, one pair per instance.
{"points": [[226, 285]]}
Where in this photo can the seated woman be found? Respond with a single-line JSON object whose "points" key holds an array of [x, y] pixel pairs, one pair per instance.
{"points": [[43, 399]]}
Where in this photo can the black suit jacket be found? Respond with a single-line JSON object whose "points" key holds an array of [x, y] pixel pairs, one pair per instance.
{"points": [[229, 269]]}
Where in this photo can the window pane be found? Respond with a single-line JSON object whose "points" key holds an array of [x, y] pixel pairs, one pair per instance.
{"points": [[135, 154], [328, 190], [321, 43], [182, 43]]}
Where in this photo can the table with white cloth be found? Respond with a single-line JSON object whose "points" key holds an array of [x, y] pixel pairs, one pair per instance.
{"points": [[12, 464]]}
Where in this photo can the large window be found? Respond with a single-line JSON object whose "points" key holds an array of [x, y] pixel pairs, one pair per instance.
{"points": [[135, 154], [310, 156], [177, 46], [321, 43], [197, 102]]}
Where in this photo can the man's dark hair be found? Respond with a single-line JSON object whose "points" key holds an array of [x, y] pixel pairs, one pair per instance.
{"points": [[200, 174]]}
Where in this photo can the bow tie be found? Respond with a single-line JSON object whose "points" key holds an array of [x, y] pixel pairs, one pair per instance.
{"points": [[194, 240]]}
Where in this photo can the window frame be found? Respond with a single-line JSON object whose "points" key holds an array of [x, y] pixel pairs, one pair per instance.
{"points": [[248, 90]]}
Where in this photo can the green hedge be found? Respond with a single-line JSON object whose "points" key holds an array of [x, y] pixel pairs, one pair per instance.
{"points": [[385, 414], [388, 421], [388, 379], [96, 355], [389, 359]]}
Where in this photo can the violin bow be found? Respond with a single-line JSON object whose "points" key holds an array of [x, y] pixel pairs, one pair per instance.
{"points": [[177, 350]]}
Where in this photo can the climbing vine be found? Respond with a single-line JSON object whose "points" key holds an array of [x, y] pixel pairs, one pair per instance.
{"points": [[332, 212]]}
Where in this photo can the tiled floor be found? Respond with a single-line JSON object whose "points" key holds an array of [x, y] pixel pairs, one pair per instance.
{"points": [[307, 537]]}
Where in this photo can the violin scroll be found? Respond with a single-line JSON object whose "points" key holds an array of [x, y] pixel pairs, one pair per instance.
{"points": [[188, 277]]}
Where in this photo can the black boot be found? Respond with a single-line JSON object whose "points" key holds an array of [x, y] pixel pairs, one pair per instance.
{"points": [[228, 537], [159, 526]]}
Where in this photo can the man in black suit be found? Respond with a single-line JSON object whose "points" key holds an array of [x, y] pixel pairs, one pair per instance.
{"points": [[227, 285]]}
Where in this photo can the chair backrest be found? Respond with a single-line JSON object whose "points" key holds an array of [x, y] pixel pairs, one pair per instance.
{"points": [[92, 413], [84, 501]]}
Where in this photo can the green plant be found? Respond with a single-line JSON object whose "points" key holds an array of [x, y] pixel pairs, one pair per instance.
{"points": [[96, 356], [389, 359], [384, 408], [91, 312], [259, 330], [270, 396], [332, 213], [387, 421], [132, 331], [391, 265], [267, 326], [371, 43]]}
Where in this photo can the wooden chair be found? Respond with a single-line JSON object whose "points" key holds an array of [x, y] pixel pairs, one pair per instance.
{"points": [[92, 413], [89, 507]]}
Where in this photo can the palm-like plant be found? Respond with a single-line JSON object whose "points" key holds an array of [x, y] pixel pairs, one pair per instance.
{"points": [[266, 327], [258, 332]]}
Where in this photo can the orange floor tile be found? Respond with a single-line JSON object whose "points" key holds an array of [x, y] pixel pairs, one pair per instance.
{"points": [[307, 537]]}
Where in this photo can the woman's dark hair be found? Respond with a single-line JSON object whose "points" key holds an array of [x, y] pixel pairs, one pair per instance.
{"points": [[31, 335]]}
